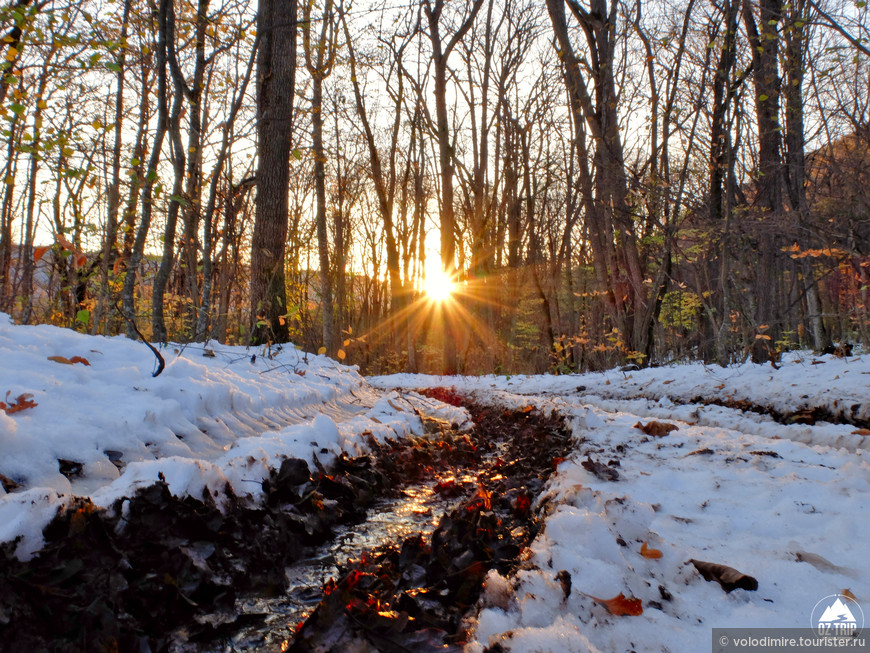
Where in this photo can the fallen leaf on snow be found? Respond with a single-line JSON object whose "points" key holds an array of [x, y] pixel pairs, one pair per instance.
{"points": [[646, 552], [600, 470], [69, 361], [861, 432], [820, 563], [848, 594], [621, 605], [728, 577], [22, 402], [656, 429]]}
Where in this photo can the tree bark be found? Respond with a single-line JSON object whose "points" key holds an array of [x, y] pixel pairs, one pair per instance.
{"points": [[276, 79]]}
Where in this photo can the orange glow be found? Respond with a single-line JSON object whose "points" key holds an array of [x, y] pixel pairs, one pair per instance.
{"points": [[438, 286]]}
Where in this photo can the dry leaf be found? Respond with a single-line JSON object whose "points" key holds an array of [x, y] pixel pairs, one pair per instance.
{"points": [[668, 381], [656, 429], [820, 563], [621, 605], [848, 594], [22, 402], [528, 409], [39, 252], [861, 432], [602, 471], [69, 361], [63, 242], [728, 577], [646, 552]]}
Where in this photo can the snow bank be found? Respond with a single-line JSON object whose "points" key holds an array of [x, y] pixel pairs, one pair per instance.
{"points": [[840, 386], [788, 513], [217, 416]]}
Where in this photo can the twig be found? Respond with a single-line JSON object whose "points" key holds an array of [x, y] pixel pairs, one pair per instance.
{"points": [[161, 364]]}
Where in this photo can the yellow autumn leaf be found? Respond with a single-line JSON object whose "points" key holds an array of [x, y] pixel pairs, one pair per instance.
{"points": [[11, 53], [341, 355], [322, 350]]}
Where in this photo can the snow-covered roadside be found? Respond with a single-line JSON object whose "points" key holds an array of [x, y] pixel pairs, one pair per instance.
{"points": [[791, 515], [840, 386], [108, 427]]}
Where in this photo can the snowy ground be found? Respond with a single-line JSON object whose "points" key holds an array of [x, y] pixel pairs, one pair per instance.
{"points": [[215, 416], [786, 504]]}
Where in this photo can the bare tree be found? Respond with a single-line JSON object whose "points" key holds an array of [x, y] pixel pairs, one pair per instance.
{"points": [[440, 54]]}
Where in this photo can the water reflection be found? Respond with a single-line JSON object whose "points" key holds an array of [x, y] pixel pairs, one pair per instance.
{"points": [[416, 510]]}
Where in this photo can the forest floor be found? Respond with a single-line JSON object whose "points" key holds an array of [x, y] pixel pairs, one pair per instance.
{"points": [[618, 511]]}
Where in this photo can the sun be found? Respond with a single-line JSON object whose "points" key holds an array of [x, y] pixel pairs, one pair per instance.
{"points": [[438, 285]]}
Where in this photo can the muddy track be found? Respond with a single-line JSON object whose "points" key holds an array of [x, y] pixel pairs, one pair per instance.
{"points": [[801, 416], [414, 595], [131, 578], [806, 415]]}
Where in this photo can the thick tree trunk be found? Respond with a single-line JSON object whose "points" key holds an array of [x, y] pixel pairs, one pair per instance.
{"points": [[764, 41], [276, 79]]}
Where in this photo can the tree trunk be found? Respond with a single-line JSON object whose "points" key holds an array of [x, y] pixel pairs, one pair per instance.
{"points": [[276, 79], [138, 250], [114, 192]]}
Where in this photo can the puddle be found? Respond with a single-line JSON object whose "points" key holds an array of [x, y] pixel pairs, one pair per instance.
{"points": [[417, 509]]}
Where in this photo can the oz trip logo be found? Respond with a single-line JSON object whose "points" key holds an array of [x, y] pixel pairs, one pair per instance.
{"points": [[837, 615]]}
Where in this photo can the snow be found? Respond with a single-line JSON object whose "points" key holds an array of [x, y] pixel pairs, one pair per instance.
{"points": [[216, 416], [803, 381], [784, 503]]}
